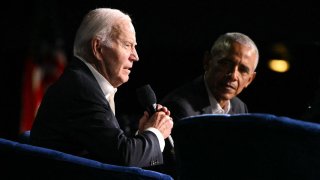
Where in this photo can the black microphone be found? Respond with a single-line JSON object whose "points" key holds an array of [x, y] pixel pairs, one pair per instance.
{"points": [[147, 98]]}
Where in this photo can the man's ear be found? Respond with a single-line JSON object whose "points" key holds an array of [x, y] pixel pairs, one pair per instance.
{"points": [[253, 75], [96, 48]]}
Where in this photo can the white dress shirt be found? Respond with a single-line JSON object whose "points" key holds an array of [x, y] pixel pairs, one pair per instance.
{"points": [[215, 106], [109, 92]]}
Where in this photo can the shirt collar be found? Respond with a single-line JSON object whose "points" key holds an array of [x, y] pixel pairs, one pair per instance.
{"points": [[104, 84], [215, 106]]}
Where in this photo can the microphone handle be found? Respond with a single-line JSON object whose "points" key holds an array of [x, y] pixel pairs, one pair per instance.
{"points": [[152, 109], [171, 141]]}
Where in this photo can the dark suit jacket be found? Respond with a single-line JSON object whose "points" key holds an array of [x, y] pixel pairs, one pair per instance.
{"points": [[189, 100], [192, 99], [75, 117]]}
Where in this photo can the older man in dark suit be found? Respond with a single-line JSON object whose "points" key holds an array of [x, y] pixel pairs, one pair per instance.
{"points": [[77, 114], [229, 68]]}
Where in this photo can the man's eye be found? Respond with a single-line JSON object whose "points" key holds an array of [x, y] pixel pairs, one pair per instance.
{"points": [[128, 45], [244, 69]]}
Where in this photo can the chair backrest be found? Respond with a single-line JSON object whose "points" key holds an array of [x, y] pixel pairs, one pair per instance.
{"points": [[247, 146], [25, 161]]}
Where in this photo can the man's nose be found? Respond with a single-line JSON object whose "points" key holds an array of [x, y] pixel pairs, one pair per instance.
{"points": [[134, 55], [232, 73]]}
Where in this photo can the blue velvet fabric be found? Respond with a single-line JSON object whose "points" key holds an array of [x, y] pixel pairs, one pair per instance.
{"points": [[25, 161], [247, 147]]}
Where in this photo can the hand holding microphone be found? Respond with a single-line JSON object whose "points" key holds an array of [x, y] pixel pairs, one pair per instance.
{"points": [[157, 116], [158, 120]]}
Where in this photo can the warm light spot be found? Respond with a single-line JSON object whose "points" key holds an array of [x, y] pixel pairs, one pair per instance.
{"points": [[279, 65]]}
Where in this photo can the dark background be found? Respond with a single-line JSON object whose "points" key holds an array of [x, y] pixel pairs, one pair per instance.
{"points": [[172, 38]]}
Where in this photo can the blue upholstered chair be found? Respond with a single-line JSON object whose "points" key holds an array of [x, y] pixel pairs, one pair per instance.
{"points": [[19, 160], [247, 147]]}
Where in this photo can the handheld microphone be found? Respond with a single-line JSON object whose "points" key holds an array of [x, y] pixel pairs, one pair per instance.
{"points": [[147, 98]]}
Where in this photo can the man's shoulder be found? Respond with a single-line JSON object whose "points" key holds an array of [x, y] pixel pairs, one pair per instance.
{"points": [[238, 106], [189, 88]]}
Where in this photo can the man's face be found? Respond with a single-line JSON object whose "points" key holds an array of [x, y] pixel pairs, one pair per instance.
{"points": [[119, 57], [228, 76]]}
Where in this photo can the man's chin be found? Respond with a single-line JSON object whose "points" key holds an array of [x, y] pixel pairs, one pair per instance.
{"points": [[125, 79]]}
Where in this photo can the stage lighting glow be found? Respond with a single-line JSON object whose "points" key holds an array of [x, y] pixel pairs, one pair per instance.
{"points": [[279, 65]]}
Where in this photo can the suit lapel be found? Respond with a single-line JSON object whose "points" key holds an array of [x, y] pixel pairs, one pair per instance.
{"points": [[202, 102]]}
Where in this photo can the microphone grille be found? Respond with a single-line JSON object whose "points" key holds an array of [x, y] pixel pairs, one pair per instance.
{"points": [[146, 96]]}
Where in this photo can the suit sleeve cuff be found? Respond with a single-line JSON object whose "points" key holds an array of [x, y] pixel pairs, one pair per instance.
{"points": [[159, 136]]}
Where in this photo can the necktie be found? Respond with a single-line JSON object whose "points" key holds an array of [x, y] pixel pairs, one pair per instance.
{"points": [[111, 102]]}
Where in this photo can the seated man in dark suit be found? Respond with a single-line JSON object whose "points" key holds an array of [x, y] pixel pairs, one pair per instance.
{"points": [[77, 113], [228, 69]]}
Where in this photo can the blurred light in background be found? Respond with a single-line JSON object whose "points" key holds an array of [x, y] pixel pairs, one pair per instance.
{"points": [[279, 60], [279, 65]]}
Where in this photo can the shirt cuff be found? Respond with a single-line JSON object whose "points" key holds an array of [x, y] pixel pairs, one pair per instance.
{"points": [[159, 136]]}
